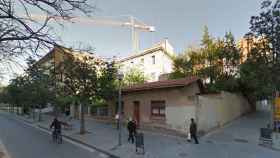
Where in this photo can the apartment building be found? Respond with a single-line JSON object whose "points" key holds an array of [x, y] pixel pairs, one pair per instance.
{"points": [[153, 62]]}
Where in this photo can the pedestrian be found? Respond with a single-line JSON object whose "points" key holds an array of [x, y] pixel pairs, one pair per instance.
{"points": [[67, 112], [117, 120], [193, 131], [131, 127]]}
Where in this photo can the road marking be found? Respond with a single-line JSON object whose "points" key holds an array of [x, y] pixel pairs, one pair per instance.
{"points": [[66, 139]]}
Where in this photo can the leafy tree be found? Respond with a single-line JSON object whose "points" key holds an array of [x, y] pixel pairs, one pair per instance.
{"points": [[31, 90], [188, 63], [39, 80], [15, 93], [216, 61], [87, 79], [259, 73], [134, 76]]}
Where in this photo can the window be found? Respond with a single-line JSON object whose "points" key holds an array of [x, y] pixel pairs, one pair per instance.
{"points": [[158, 108], [153, 59], [100, 111], [153, 76], [142, 60]]}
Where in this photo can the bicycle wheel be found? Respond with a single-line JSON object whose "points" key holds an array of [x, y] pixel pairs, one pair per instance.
{"points": [[54, 136], [59, 138]]}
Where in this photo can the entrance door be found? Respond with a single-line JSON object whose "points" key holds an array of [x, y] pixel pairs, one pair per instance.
{"points": [[136, 113]]}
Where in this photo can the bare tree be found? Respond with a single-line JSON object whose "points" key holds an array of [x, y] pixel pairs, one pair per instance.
{"points": [[23, 34]]}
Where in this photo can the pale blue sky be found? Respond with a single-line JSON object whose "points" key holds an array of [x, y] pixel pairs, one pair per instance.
{"points": [[181, 21]]}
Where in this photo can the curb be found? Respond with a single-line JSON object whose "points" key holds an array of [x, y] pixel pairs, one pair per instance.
{"points": [[271, 148], [25, 120]]}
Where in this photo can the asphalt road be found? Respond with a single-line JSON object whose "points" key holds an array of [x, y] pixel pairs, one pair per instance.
{"points": [[23, 141]]}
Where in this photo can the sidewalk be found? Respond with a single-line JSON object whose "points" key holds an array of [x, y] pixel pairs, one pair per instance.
{"points": [[238, 139]]}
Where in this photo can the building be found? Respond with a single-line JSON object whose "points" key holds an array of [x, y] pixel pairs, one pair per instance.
{"points": [[247, 43], [153, 62], [170, 105], [59, 54], [163, 103]]}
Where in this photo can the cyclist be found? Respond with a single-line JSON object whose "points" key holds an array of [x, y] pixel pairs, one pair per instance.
{"points": [[57, 128]]}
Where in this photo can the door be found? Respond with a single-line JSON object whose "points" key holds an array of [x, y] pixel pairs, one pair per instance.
{"points": [[136, 113]]}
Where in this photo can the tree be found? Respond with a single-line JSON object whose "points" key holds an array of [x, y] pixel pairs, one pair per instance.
{"points": [[229, 57], [187, 63], [260, 72], [216, 61], [38, 84], [15, 94], [134, 76], [25, 25], [87, 79], [31, 90]]}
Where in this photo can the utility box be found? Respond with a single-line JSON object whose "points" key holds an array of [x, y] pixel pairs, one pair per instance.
{"points": [[139, 143]]}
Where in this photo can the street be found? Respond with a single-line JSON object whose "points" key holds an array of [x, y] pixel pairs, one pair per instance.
{"points": [[23, 141], [237, 139]]}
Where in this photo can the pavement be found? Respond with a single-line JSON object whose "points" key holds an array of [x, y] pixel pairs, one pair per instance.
{"points": [[237, 139]]}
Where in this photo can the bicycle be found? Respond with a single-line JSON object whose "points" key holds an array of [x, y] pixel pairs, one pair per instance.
{"points": [[57, 137]]}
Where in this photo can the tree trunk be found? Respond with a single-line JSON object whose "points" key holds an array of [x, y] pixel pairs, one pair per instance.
{"points": [[33, 112], [82, 120], [10, 108], [18, 110], [40, 114]]}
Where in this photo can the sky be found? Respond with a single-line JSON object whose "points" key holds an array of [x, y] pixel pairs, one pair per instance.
{"points": [[181, 21]]}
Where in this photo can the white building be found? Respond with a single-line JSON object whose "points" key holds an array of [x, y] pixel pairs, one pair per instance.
{"points": [[154, 61]]}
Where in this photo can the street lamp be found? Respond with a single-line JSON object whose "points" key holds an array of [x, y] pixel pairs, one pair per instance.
{"points": [[120, 78]]}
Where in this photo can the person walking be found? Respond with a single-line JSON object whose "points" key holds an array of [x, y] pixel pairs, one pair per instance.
{"points": [[131, 127], [193, 131]]}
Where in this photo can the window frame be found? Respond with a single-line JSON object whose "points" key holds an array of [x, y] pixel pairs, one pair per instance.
{"points": [[161, 106], [153, 59]]}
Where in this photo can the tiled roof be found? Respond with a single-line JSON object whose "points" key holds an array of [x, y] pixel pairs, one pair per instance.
{"points": [[161, 84]]}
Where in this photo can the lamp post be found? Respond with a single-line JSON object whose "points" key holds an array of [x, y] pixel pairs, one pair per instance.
{"points": [[120, 77]]}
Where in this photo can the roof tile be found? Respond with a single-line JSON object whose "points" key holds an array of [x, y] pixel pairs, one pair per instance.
{"points": [[161, 84]]}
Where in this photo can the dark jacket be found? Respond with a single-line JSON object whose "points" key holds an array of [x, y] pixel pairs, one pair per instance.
{"points": [[131, 127], [193, 128], [56, 124]]}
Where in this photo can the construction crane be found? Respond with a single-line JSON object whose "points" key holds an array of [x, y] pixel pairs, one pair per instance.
{"points": [[134, 24]]}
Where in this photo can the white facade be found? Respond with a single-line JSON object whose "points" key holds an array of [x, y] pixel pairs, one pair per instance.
{"points": [[153, 62]]}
